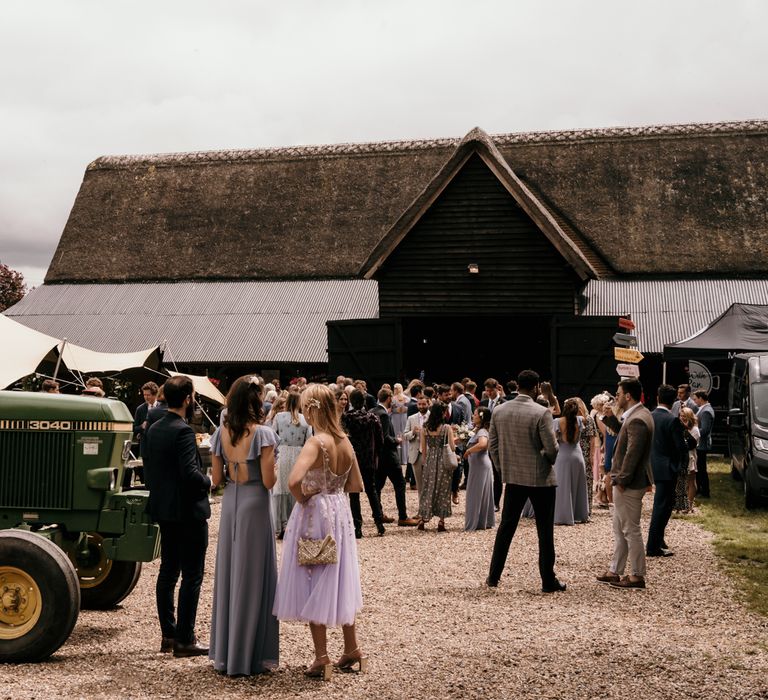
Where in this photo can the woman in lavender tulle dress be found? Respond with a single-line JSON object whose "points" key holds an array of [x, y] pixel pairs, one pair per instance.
{"points": [[329, 594]]}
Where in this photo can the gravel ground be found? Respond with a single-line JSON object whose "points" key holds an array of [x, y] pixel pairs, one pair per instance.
{"points": [[432, 630]]}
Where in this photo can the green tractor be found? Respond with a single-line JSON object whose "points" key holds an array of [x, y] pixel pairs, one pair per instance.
{"points": [[69, 535]]}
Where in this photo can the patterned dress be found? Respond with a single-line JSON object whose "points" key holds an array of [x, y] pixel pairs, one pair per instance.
{"points": [[436, 475], [585, 441], [292, 438]]}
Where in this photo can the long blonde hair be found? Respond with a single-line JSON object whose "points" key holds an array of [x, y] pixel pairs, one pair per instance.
{"points": [[319, 406]]}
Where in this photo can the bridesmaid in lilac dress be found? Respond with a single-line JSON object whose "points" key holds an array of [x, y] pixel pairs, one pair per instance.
{"points": [[328, 594]]}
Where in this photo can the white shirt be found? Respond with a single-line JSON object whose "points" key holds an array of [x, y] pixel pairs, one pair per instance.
{"points": [[628, 411]]}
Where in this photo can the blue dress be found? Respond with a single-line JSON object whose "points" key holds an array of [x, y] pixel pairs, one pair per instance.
{"points": [[292, 438], [244, 632], [571, 503], [480, 510]]}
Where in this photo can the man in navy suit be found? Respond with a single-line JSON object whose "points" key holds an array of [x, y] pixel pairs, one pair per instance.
{"points": [[669, 454], [178, 502]]}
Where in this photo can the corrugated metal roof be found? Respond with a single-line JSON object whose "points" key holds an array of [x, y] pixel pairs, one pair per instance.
{"points": [[202, 321], [666, 311]]}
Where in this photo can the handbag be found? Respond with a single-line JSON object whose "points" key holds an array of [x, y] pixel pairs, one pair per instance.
{"points": [[450, 456], [322, 551]]}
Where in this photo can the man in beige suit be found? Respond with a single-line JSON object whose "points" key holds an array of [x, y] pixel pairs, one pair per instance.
{"points": [[412, 434], [632, 477], [522, 443]]}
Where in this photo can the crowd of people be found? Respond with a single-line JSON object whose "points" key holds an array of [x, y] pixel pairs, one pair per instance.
{"points": [[294, 462]]}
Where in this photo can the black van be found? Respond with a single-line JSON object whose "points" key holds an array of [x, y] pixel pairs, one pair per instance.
{"points": [[748, 424]]}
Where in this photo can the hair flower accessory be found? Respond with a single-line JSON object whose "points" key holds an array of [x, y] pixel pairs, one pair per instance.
{"points": [[253, 379], [313, 403]]}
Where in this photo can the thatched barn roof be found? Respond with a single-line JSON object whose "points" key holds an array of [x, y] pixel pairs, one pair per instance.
{"points": [[675, 199]]}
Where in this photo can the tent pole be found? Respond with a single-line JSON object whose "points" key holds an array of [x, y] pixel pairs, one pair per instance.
{"points": [[58, 361], [664, 373]]}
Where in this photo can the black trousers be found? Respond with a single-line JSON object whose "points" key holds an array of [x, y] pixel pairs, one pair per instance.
{"points": [[369, 485], [702, 478], [394, 473], [498, 486], [543, 501], [182, 551], [663, 505]]}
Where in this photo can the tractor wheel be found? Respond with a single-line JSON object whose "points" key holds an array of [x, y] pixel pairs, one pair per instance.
{"points": [[39, 597], [103, 582]]}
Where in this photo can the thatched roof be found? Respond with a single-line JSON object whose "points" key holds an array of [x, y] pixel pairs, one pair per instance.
{"points": [[675, 199]]}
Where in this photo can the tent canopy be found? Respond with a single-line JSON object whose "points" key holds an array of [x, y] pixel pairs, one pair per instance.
{"points": [[24, 350], [203, 387], [741, 328]]}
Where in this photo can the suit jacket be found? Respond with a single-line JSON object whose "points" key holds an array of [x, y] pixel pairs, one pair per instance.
{"points": [[522, 442], [466, 406], [706, 418], [412, 406], [631, 465], [413, 438], [669, 454], [499, 400], [689, 403], [173, 472], [138, 421], [388, 456], [153, 415], [457, 414]]}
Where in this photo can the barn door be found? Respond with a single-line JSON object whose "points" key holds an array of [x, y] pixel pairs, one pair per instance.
{"points": [[368, 349], [582, 355]]}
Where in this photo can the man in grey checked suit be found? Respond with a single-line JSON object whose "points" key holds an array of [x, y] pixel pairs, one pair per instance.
{"points": [[523, 445]]}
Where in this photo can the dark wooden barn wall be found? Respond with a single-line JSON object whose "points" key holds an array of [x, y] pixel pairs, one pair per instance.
{"points": [[475, 220]]}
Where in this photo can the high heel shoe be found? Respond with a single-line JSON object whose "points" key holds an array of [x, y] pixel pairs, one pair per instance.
{"points": [[320, 669], [347, 662], [420, 526]]}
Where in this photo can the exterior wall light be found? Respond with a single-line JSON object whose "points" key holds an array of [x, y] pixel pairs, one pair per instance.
{"points": [[473, 268]]}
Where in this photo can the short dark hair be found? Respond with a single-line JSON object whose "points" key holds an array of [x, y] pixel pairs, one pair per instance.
{"points": [[633, 387], [356, 399], [442, 389], [429, 392], [49, 386], [177, 389], [383, 394], [685, 387], [511, 386], [701, 394], [490, 383], [666, 394], [458, 386], [416, 389], [528, 379], [470, 387], [485, 416], [151, 387]]}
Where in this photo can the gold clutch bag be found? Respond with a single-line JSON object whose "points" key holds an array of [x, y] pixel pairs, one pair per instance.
{"points": [[315, 552]]}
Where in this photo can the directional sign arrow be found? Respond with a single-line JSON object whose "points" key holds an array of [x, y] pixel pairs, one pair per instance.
{"points": [[626, 323], [625, 340], [628, 370], [627, 355]]}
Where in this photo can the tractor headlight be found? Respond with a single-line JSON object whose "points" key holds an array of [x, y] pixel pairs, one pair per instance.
{"points": [[103, 479], [760, 444], [126, 450]]}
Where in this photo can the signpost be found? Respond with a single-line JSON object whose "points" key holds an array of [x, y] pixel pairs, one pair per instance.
{"points": [[627, 355], [627, 324], [628, 371], [625, 340]]}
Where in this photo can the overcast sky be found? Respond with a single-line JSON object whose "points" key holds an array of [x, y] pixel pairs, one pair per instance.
{"points": [[84, 78]]}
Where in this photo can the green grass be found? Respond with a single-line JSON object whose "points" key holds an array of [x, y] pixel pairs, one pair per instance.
{"points": [[741, 535]]}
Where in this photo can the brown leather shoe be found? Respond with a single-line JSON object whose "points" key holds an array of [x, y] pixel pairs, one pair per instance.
{"points": [[166, 645], [408, 522], [193, 648], [627, 582], [387, 519], [609, 577]]}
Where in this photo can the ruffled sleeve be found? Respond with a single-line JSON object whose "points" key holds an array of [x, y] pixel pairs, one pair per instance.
{"points": [[216, 443], [264, 437]]}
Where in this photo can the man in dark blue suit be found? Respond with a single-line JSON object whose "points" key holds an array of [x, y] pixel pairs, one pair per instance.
{"points": [[669, 454], [178, 502]]}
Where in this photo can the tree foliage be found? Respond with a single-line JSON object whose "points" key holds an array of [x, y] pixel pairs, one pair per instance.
{"points": [[12, 287]]}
